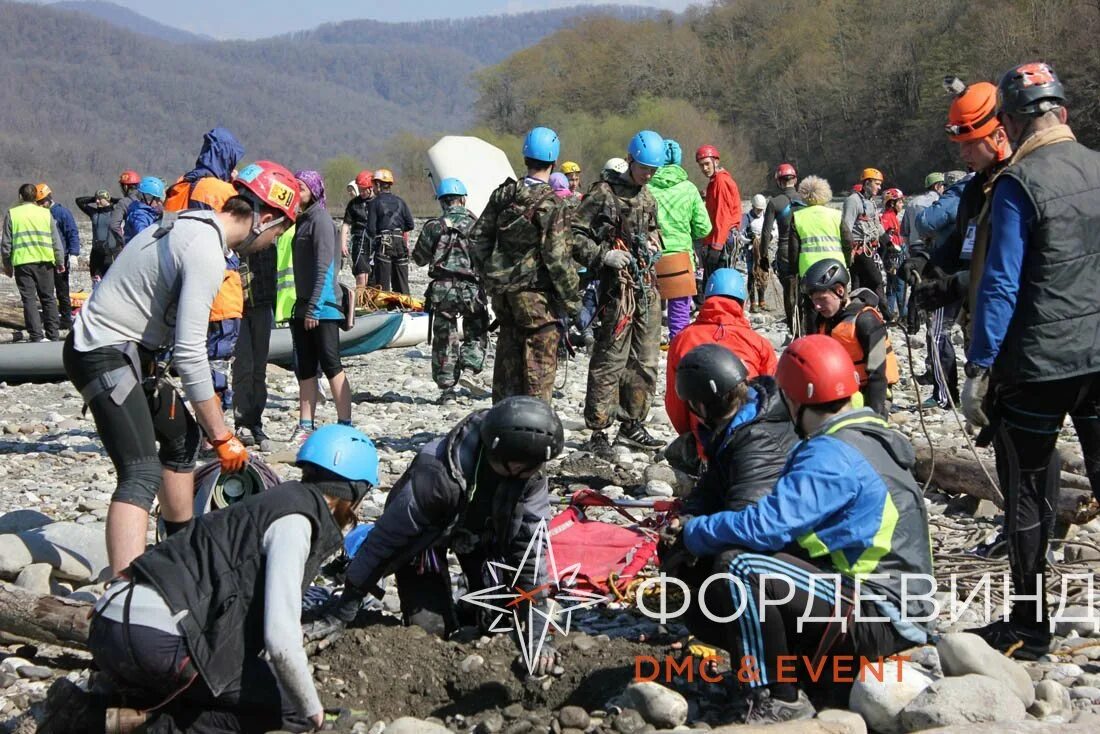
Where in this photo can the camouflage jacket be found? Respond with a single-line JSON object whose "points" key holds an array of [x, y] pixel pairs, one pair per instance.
{"points": [[444, 245], [617, 210], [521, 242]]}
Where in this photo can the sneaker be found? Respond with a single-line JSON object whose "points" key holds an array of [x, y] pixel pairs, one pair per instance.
{"points": [[477, 392], [599, 444], [765, 709], [260, 439], [1014, 640], [299, 436], [635, 434], [931, 403], [244, 436]]}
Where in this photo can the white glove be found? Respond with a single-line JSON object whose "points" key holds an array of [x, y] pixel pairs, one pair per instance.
{"points": [[973, 396], [616, 259]]}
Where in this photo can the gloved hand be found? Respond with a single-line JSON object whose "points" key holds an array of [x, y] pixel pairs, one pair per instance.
{"points": [[616, 259], [322, 633], [940, 289], [911, 270], [231, 453], [973, 398]]}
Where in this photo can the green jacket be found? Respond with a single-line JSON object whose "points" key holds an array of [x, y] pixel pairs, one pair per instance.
{"points": [[681, 213]]}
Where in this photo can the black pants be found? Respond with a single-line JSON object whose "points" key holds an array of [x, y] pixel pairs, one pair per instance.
{"points": [[945, 371], [64, 301], [867, 273], [391, 263], [1029, 418], [362, 252], [155, 663], [788, 284], [38, 293], [427, 595], [99, 261], [316, 349], [250, 366], [768, 637]]}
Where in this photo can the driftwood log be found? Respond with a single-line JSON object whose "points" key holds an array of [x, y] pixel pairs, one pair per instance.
{"points": [[26, 616], [961, 474]]}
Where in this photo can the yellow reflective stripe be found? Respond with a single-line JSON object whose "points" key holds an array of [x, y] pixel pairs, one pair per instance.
{"points": [[880, 544], [813, 545], [856, 420]]}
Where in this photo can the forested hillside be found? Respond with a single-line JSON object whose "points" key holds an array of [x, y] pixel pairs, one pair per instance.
{"points": [[832, 86], [125, 18]]}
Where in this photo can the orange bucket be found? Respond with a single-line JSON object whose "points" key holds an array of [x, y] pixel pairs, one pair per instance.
{"points": [[675, 275]]}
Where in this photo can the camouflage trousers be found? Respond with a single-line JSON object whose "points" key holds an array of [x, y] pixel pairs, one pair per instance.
{"points": [[527, 346], [449, 301], [622, 375]]}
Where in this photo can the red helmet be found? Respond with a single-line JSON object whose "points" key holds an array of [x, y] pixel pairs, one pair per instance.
{"points": [[785, 170], [816, 369], [706, 151], [892, 195], [271, 185], [364, 180], [129, 178]]}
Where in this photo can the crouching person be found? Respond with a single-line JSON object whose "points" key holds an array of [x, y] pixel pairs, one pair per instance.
{"points": [[830, 548], [479, 492], [186, 624]]}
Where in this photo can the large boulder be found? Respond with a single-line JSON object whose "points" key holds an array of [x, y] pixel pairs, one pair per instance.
{"points": [[963, 653], [77, 552], [969, 699], [660, 706], [880, 702], [17, 521]]}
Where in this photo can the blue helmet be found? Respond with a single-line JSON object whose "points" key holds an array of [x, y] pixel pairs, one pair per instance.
{"points": [[450, 187], [152, 186], [542, 144], [342, 450], [726, 282], [673, 155], [648, 149]]}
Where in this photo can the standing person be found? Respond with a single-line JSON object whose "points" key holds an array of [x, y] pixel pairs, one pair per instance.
{"points": [[356, 237], [127, 182], [205, 628], [522, 250], [572, 172], [560, 184], [70, 236], [682, 218], [778, 217], [724, 207], [147, 207], [249, 371], [934, 186], [158, 294], [861, 231], [318, 310], [207, 185], [757, 259], [100, 209], [615, 229], [455, 291], [32, 250], [1031, 361], [390, 223], [895, 253], [814, 236]]}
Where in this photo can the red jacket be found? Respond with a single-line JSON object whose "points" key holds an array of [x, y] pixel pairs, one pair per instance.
{"points": [[720, 321], [893, 228], [723, 206]]}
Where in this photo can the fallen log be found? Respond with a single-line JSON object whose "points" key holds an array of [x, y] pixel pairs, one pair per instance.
{"points": [[961, 474], [50, 619]]}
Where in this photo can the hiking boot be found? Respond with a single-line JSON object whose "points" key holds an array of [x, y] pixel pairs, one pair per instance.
{"points": [[449, 396], [477, 391], [766, 709], [244, 436], [301, 433], [67, 709], [260, 439], [599, 444], [635, 434], [1015, 640]]}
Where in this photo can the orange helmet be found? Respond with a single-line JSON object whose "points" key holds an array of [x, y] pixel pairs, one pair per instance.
{"points": [[973, 113], [384, 175], [129, 178], [271, 185], [364, 180], [41, 192], [871, 173]]}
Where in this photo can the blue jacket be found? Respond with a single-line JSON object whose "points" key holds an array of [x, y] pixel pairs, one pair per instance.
{"points": [[139, 216], [316, 265], [220, 154], [938, 219], [66, 225]]}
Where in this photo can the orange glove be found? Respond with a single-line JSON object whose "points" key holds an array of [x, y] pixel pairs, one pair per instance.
{"points": [[231, 453]]}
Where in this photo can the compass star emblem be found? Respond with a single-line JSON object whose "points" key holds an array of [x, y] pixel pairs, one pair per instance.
{"points": [[507, 597]]}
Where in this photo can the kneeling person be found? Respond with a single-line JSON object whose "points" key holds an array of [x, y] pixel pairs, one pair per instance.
{"points": [[848, 505]]}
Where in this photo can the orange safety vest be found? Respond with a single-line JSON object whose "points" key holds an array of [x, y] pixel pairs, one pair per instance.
{"points": [[229, 303], [845, 333], [213, 192]]}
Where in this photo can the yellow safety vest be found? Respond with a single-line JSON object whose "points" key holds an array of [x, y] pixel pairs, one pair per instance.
{"points": [[284, 276], [818, 229], [31, 235]]}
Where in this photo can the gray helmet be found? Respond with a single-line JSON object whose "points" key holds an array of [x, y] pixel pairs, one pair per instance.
{"points": [[706, 376], [522, 429], [825, 275], [1030, 89]]}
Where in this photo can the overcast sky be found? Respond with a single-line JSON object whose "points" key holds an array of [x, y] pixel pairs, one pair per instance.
{"points": [[256, 18]]}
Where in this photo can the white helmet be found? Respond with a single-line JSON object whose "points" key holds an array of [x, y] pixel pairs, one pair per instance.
{"points": [[616, 165], [759, 202], [353, 187]]}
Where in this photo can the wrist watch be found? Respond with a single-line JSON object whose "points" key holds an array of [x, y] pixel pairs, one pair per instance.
{"points": [[972, 370]]}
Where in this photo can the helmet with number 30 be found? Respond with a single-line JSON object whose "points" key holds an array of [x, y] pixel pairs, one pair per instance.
{"points": [[271, 185]]}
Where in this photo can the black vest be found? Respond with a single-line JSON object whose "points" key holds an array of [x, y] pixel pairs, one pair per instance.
{"points": [[214, 571], [1055, 329]]}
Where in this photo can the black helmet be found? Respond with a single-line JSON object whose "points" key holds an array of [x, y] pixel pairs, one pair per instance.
{"points": [[1030, 89], [825, 275], [522, 429], [706, 376]]}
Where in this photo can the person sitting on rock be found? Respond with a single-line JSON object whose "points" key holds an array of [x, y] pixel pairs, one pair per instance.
{"points": [[478, 491], [853, 319], [845, 509], [183, 629]]}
